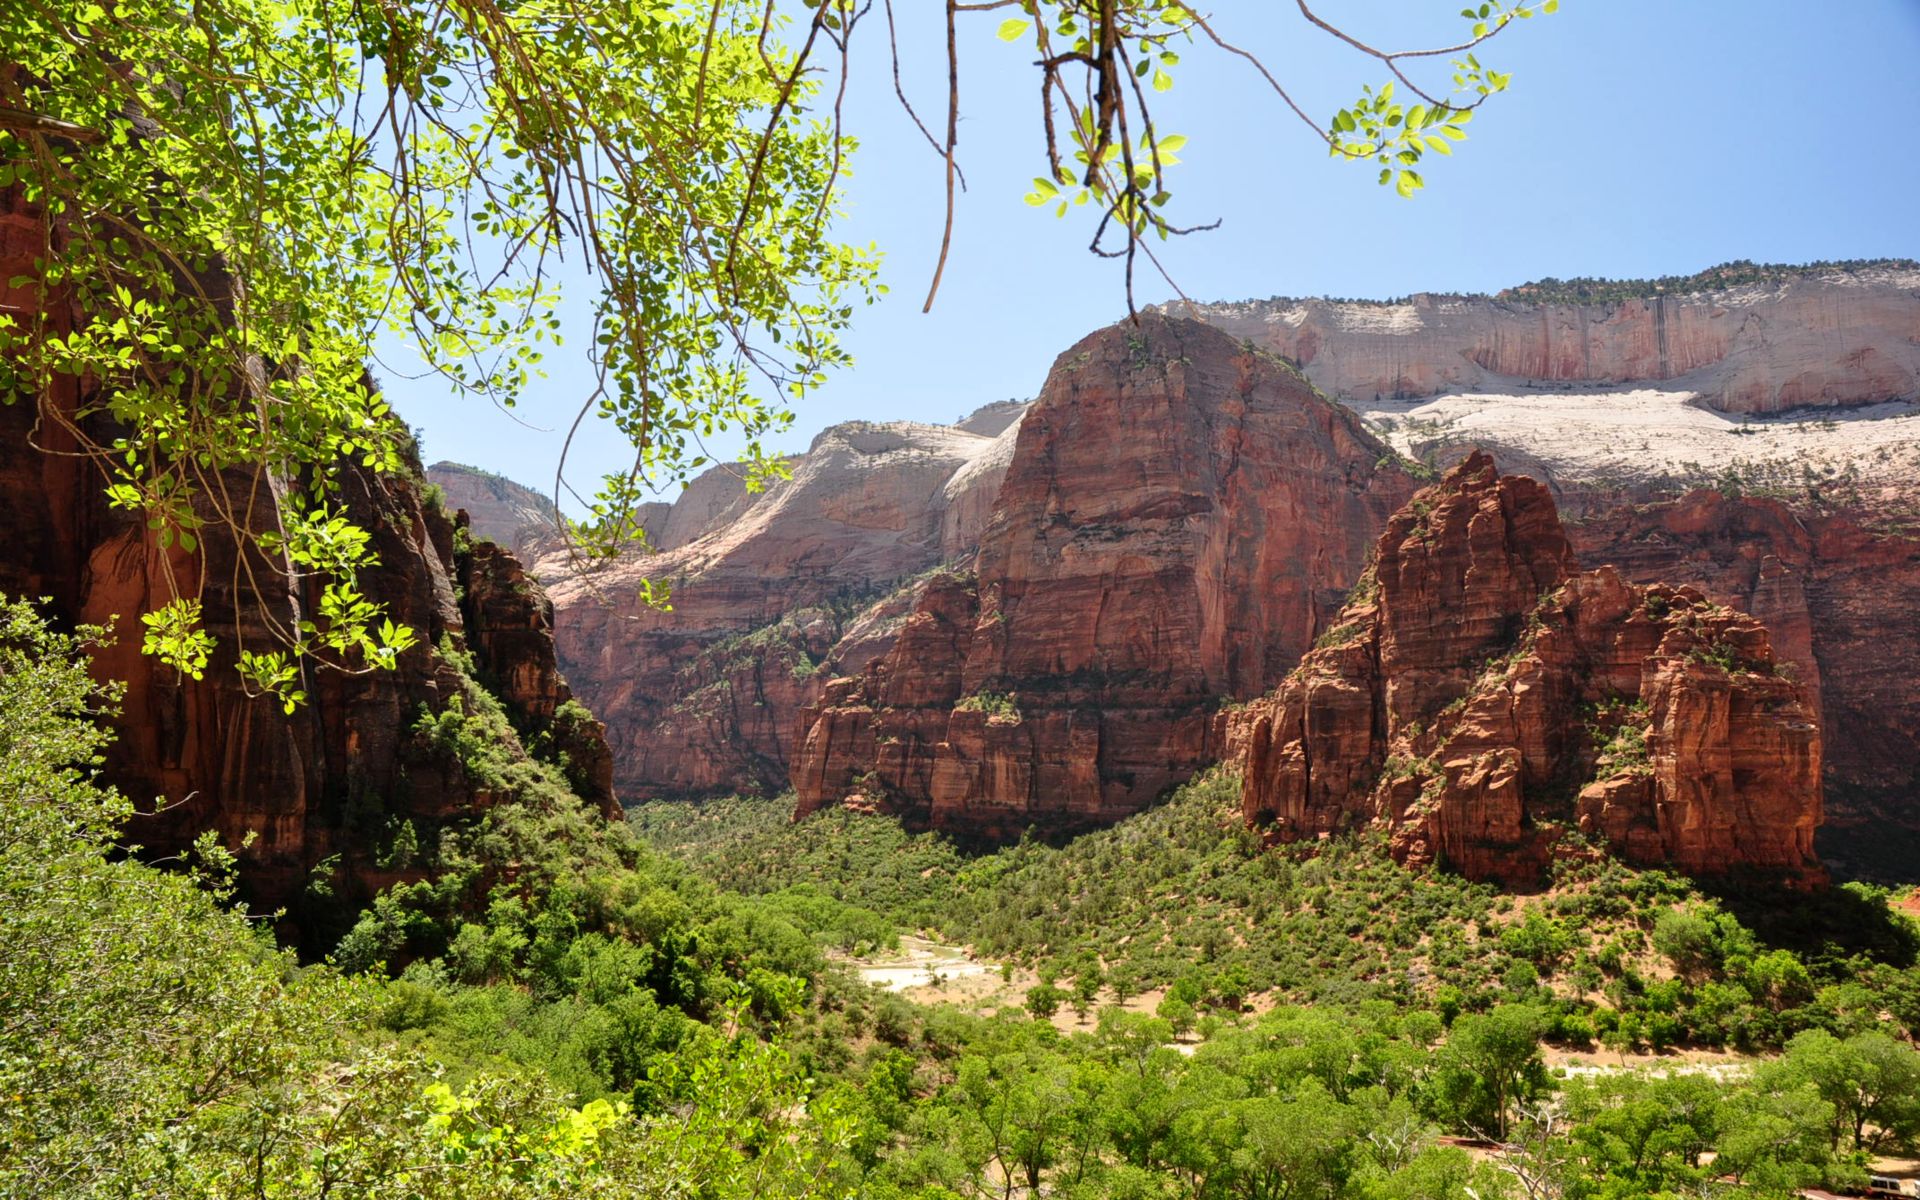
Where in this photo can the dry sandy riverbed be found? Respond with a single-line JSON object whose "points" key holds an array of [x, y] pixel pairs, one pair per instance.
{"points": [[920, 963]]}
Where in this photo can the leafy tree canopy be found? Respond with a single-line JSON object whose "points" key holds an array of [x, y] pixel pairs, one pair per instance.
{"points": [[234, 199]]}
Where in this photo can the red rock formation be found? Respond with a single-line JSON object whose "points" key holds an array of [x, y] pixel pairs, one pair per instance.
{"points": [[701, 699], [1179, 516], [849, 748], [338, 775], [1481, 697], [1838, 598], [508, 625], [334, 776], [1838, 339]]}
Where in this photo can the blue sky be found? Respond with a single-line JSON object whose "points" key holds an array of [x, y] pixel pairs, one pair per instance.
{"points": [[1640, 137]]}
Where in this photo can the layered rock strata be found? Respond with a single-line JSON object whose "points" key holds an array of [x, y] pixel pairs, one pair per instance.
{"points": [[1838, 598], [336, 779], [1480, 696], [1179, 516], [764, 588], [1831, 339]]}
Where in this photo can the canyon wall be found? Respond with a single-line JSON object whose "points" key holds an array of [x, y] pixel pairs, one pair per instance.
{"points": [[339, 775], [765, 588], [1177, 520], [1839, 596], [335, 781], [1820, 339], [1479, 696], [516, 517], [1057, 680]]}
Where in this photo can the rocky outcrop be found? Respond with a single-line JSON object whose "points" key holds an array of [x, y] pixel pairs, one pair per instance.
{"points": [[341, 774], [337, 780], [1179, 517], [1830, 339], [1838, 599], [883, 755], [701, 698], [508, 629], [1479, 697], [497, 508]]}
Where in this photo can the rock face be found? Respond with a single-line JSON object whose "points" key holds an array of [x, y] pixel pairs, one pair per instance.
{"points": [[497, 508], [519, 518], [1179, 517], [1828, 340], [342, 773], [992, 420], [765, 587], [1838, 598], [1479, 697]]}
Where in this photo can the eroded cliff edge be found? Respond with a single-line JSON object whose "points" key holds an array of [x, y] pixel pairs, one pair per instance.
{"points": [[1833, 338], [772, 593], [1480, 696], [1179, 517]]}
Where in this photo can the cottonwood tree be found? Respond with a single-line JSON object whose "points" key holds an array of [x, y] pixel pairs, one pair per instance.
{"points": [[1871, 1081], [231, 201], [1491, 1066]]}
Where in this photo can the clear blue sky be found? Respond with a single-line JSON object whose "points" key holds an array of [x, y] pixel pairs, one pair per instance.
{"points": [[1640, 137]]}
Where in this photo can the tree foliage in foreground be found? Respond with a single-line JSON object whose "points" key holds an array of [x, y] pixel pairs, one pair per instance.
{"points": [[154, 1042], [236, 198]]}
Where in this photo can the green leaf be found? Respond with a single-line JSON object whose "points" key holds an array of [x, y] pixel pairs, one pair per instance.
{"points": [[1013, 28], [1161, 80]]}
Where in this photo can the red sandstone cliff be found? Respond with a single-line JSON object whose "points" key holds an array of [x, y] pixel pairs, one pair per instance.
{"points": [[1837, 339], [1479, 696], [1838, 598], [1178, 518], [765, 588], [340, 775]]}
